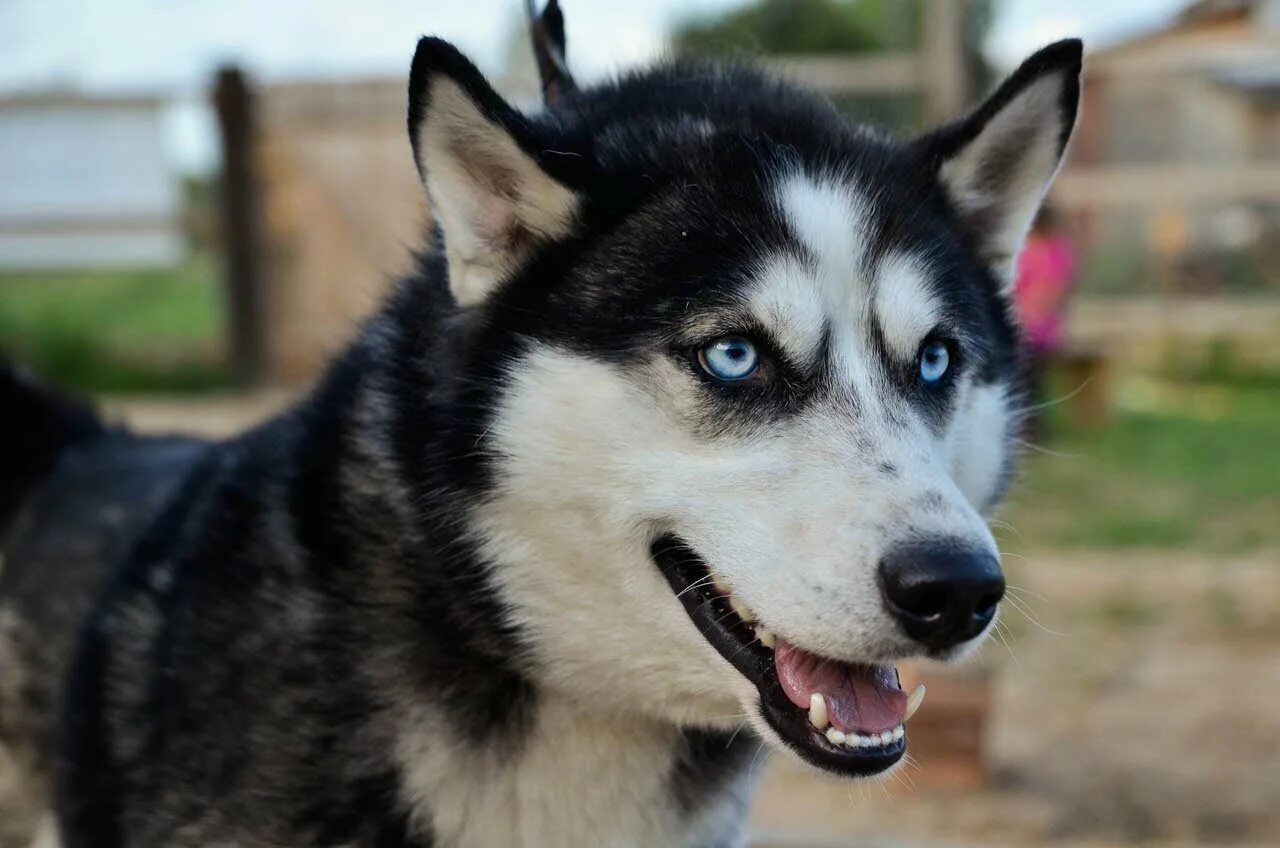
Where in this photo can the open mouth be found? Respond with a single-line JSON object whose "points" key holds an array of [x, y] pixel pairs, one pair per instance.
{"points": [[844, 717]]}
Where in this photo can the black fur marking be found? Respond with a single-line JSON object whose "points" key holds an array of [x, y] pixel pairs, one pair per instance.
{"points": [[708, 762], [88, 802], [38, 424], [370, 816]]}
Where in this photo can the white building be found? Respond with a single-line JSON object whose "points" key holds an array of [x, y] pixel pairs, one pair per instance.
{"points": [[85, 183]]}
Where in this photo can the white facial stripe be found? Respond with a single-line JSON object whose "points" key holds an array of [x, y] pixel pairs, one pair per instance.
{"points": [[785, 300], [829, 218], [906, 306]]}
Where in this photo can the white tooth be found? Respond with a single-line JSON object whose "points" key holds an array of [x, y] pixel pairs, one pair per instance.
{"points": [[913, 703], [899, 732], [741, 609], [886, 737], [766, 638], [835, 737], [868, 741], [818, 711], [715, 581]]}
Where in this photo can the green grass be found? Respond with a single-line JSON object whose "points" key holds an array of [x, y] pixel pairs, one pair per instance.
{"points": [[1188, 463], [118, 331]]}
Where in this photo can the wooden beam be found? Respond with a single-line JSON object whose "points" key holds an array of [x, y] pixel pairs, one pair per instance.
{"points": [[887, 73], [942, 59], [241, 226], [1150, 185]]}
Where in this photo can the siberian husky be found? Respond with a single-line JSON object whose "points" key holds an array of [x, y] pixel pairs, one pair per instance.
{"points": [[677, 440]]}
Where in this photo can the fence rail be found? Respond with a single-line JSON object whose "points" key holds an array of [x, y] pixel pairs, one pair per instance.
{"points": [[1146, 185]]}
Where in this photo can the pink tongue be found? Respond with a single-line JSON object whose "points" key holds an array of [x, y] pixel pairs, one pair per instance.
{"points": [[860, 698]]}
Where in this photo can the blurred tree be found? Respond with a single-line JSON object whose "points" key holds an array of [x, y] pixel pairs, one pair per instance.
{"points": [[780, 26], [830, 26]]}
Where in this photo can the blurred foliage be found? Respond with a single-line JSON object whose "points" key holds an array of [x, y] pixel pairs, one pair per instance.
{"points": [[837, 26], [1196, 471], [118, 331], [200, 212], [802, 26], [898, 112]]}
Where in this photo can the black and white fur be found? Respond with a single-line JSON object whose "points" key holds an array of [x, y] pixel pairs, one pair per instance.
{"points": [[420, 607]]}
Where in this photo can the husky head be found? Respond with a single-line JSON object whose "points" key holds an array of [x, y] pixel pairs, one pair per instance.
{"points": [[740, 383]]}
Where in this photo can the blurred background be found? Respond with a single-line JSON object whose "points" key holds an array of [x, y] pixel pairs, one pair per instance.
{"points": [[198, 199]]}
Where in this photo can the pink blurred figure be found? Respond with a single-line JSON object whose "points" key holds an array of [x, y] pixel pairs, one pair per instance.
{"points": [[1045, 276], [1046, 273]]}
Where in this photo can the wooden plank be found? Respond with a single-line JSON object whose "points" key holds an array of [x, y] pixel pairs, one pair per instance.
{"points": [[942, 59], [887, 73], [1149, 185], [98, 224]]}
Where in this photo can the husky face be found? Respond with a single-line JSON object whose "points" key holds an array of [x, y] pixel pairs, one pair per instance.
{"points": [[742, 380]]}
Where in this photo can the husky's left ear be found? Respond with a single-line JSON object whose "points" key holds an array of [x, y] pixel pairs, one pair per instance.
{"points": [[996, 164], [478, 159]]}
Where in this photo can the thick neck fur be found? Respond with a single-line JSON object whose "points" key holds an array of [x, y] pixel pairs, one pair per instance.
{"points": [[385, 466]]}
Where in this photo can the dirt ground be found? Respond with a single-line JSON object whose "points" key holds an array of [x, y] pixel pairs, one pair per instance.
{"points": [[1136, 701], [1142, 709]]}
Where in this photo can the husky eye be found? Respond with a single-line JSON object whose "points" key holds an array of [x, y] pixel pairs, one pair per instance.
{"points": [[730, 358], [934, 361]]}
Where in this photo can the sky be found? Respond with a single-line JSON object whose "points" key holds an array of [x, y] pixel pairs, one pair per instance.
{"points": [[171, 47]]}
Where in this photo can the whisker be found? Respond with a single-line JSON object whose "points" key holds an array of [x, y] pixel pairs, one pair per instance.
{"points": [[1047, 451], [1001, 632], [1003, 525], [1013, 601], [1049, 403], [694, 585], [1025, 591]]}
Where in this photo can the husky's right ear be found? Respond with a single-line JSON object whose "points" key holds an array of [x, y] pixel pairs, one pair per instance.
{"points": [[477, 158]]}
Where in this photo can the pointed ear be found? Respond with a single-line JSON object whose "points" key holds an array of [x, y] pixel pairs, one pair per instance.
{"points": [[477, 158], [997, 163]]}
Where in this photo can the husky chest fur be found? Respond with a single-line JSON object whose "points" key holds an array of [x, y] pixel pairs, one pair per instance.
{"points": [[679, 438]]}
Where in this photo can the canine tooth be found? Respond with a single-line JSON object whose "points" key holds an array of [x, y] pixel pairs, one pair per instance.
{"points": [[766, 638], [899, 732], [913, 703], [741, 609], [818, 711], [835, 737]]}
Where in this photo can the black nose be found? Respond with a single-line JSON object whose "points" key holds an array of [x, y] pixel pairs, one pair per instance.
{"points": [[942, 591]]}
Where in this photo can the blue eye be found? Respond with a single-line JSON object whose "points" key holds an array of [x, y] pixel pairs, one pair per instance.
{"points": [[730, 358], [934, 361]]}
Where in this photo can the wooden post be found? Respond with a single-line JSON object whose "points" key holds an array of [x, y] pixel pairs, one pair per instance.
{"points": [[241, 228], [942, 57]]}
